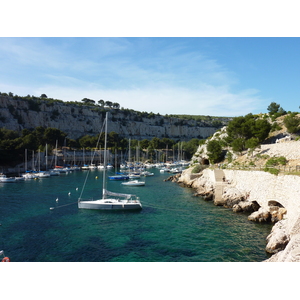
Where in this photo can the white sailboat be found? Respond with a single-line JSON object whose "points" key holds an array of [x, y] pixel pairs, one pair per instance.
{"points": [[118, 201], [134, 182]]}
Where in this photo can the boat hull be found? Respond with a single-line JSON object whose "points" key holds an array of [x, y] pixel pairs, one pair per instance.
{"points": [[134, 183], [110, 204]]}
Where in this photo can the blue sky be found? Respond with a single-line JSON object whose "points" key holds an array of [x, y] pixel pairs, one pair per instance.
{"points": [[215, 76]]}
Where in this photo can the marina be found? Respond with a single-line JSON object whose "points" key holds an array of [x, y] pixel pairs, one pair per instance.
{"points": [[173, 226]]}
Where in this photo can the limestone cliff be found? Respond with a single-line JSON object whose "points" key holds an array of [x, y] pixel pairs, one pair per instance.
{"points": [[17, 113]]}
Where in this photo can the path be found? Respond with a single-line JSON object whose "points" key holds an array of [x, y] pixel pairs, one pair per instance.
{"points": [[219, 175]]}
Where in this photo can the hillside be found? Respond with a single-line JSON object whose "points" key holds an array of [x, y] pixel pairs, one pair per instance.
{"points": [[279, 143], [79, 119]]}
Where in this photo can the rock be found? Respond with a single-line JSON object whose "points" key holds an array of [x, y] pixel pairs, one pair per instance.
{"points": [[262, 215], [277, 213], [231, 197], [236, 208], [278, 238]]}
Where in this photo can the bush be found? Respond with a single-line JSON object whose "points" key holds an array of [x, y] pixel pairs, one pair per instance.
{"points": [[272, 171], [198, 168], [275, 161], [292, 123]]}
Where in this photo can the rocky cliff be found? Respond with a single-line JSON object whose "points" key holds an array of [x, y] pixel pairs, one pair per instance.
{"points": [[17, 113]]}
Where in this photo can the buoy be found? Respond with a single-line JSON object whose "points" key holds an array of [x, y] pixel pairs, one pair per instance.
{"points": [[6, 259], [96, 177]]}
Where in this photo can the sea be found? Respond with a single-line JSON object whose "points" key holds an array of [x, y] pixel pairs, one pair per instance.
{"points": [[173, 225]]}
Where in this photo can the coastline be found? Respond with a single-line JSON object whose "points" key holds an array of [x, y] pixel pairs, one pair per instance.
{"points": [[266, 197]]}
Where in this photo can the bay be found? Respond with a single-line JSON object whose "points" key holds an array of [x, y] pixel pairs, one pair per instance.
{"points": [[173, 226]]}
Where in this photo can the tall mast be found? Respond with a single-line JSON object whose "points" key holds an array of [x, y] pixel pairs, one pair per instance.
{"points": [[105, 158]]}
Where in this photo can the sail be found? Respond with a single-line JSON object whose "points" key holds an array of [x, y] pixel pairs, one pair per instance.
{"points": [[108, 193]]}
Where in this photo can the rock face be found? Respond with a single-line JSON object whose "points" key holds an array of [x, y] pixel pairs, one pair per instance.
{"points": [[267, 197], [278, 238], [80, 120]]}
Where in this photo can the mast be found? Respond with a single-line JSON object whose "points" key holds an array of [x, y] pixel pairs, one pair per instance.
{"points": [[46, 157], [105, 158], [26, 168]]}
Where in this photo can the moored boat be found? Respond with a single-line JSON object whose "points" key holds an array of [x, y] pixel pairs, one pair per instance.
{"points": [[118, 201], [4, 178], [134, 183]]}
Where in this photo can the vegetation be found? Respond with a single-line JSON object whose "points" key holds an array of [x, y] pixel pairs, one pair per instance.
{"points": [[275, 161], [292, 123], [13, 144], [214, 151], [247, 132]]}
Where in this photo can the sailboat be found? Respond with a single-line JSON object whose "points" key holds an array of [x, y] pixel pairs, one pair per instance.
{"points": [[118, 201], [132, 176]]}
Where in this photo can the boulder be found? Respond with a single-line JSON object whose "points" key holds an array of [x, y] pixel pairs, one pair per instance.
{"points": [[262, 215], [278, 238]]}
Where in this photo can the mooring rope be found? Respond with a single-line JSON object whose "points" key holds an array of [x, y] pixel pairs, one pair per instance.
{"points": [[51, 208]]}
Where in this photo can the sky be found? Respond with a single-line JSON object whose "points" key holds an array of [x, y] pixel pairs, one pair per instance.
{"points": [[217, 76], [218, 58]]}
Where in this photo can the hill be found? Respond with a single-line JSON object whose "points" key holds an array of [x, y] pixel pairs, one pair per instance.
{"points": [[280, 149], [78, 119]]}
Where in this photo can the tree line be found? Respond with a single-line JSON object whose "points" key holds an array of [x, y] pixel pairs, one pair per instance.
{"points": [[13, 143]]}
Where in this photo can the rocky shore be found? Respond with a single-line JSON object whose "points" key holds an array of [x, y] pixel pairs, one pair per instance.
{"points": [[266, 197]]}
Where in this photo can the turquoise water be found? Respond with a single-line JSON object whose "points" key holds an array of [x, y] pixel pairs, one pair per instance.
{"points": [[173, 226]]}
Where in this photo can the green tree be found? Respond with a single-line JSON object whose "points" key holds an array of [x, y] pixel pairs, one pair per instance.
{"points": [[101, 102], [292, 123], [238, 145], [144, 144], [214, 151], [252, 144], [116, 105], [108, 103], [88, 101], [273, 108], [53, 134], [155, 143]]}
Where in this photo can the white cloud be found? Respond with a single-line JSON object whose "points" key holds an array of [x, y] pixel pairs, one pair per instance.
{"points": [[210, 100]]}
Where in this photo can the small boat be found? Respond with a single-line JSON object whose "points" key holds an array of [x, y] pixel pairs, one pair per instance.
{"points": [[118, 177], [54, 173], [134, 183], [134, 176], [146, 174], [30, 175], [43, 174], [4, 178], [118, 201]]}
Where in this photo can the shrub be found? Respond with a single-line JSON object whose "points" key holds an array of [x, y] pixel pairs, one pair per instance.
{"points": [[198, 168], [292, 123], [272, 170], [275, 161]]}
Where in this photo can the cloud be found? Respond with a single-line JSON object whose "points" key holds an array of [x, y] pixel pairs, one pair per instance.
{"points": [[210, 100], [165, 76]]}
